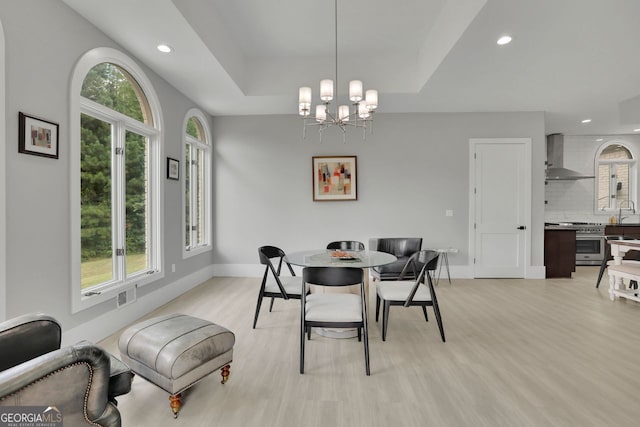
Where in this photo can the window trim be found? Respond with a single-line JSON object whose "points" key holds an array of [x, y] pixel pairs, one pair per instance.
{"points": [[78, 104], [633, 174], [208, 221]]}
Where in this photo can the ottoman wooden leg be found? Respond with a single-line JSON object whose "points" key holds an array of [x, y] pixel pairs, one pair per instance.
{"points": [[225, 373], [175, 401]]}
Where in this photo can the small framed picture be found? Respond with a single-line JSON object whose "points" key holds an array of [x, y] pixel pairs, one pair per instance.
{"points": [[37, 136], [173, 169], [334, 178]]}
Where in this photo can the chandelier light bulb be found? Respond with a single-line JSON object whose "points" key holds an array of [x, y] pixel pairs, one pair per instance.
{"points": [[321, 113], [364, 110], [355, 90], [326, 90], [343, 113], [303, 110], [305, 97], [372, 99]]}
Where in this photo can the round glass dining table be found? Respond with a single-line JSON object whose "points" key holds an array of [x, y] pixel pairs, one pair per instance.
{"points": [[324, 258]]}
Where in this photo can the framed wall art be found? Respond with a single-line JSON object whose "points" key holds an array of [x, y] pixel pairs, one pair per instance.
{"points": [[173, 169], [335, 178], [37, 136]]}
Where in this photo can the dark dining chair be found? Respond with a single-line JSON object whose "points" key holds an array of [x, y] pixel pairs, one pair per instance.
{"points": [[408, 293], [401, 247], [274, 285], [333, 310], [346, 245]]}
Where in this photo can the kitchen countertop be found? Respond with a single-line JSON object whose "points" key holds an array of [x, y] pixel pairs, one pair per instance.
{"points": [[560, 227]]}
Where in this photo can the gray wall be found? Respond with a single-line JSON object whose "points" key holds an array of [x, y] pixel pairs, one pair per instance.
{"points": [[410, 170], [44, 39]]}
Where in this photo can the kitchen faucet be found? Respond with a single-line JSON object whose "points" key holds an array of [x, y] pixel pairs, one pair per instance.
{"points": [[632, 208]]}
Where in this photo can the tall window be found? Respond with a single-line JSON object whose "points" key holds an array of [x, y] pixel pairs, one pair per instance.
{"points": [[117, 197], [197, 161], [615, 184]]}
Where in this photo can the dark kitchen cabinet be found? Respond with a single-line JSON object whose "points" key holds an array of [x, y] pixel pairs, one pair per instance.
{"points": [[559, 252], [630, 231]]}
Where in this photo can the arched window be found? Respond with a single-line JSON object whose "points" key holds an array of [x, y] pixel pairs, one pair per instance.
{"points": [[197, 182], [115, 149], [615, 181]]}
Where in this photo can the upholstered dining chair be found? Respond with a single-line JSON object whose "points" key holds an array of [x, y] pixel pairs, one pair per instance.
{"points": [[333, 310], [346, 245], [402, 248], [409, 293], [274, 285]]}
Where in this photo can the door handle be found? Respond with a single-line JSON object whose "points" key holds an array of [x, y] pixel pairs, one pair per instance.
{"points": [[522, 227]]}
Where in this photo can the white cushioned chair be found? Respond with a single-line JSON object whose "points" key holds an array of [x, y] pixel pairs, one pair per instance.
{"points": [[409, 293], [334, 310]]}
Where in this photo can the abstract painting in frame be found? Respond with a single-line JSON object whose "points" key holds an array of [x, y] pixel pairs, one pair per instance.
{"points": [[335, 178], [37, 136]]}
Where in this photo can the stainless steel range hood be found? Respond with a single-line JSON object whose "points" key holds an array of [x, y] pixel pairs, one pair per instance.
{"points": [[555, 161]]}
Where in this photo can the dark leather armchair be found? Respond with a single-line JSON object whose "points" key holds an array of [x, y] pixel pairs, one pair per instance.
{"points": [[80, 381], [402, 248]]}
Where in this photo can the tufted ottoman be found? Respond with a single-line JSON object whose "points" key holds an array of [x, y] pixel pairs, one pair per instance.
{"points": [[175, 351]]}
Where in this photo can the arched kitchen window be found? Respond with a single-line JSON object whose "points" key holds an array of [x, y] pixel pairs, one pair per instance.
{"points": [[616, 178]]}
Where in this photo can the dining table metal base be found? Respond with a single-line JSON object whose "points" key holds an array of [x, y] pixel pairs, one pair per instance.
{"points": [[336, 333]]}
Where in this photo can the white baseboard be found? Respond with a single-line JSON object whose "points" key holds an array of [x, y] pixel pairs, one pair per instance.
{"points": [[536, 272], [105, 325], [238, 270]]}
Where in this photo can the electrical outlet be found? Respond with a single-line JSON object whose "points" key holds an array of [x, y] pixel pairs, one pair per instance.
{"points": [[449, 212]]}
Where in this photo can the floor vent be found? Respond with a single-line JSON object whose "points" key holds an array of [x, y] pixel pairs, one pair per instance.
{"points": [[126, 297]]}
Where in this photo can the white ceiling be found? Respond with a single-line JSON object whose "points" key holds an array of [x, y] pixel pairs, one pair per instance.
{"points": [[572, 59]]}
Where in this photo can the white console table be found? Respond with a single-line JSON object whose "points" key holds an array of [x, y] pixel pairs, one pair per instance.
{"points": [[621, 269]]}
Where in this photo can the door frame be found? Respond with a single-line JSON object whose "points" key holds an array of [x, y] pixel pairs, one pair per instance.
{"points": [[527, 177]]}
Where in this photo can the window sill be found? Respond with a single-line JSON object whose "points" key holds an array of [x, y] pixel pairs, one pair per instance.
{"points": [[82, 301], [196, 251]]}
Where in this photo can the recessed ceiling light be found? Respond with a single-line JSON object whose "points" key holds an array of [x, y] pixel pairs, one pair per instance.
{"points": [[600, 139], [636, 130], [164, 48], [586, 121], [504, 40]]}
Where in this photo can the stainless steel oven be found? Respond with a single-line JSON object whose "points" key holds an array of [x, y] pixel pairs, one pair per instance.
{"points": [[589, 249]]}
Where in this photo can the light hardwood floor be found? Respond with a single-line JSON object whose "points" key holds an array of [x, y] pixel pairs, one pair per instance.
{"points": [[518, 353]]}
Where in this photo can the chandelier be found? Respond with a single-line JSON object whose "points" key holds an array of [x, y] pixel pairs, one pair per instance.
{"points": [[358, 115]]}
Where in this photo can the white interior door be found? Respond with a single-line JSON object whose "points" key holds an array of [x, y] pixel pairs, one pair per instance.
{"points": [[500, 206]]}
